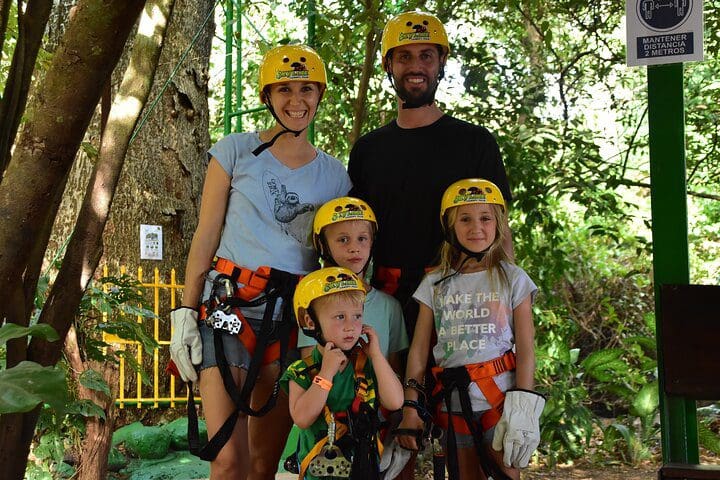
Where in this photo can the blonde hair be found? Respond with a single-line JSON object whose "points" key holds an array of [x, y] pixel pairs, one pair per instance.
{"points": [[449, 255], [356, 297]]}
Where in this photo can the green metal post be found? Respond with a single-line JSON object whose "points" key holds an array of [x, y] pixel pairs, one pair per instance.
{"points": [[670, 243], [312, 12], [229, 108], [237, 41]]}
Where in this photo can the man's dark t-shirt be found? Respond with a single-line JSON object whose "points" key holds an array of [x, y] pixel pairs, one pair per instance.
{"points": [[403, 173]]}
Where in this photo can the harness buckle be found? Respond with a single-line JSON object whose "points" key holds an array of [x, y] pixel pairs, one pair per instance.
{"points": [[331, 461], [219, 320]]}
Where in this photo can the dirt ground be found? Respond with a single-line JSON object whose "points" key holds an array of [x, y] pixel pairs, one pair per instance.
{"points": [[575, 472], [594, 472]]}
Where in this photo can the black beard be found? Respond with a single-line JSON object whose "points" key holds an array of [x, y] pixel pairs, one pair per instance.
{"points": [[425, 97]]}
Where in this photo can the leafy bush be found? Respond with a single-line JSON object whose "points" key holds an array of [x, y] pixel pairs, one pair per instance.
{"points": [[110, 305]]}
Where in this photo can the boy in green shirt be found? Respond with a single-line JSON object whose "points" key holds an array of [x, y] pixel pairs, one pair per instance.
{"points": [[334, 392]]}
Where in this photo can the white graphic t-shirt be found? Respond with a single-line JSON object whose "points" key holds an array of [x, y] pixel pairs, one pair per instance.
{"points": [[474, 319]]}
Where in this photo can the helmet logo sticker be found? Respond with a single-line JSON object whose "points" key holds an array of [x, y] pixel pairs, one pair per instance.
{"points": [[298, 70], [419, 33], [341, 282], [349, 212], [472, 194]]}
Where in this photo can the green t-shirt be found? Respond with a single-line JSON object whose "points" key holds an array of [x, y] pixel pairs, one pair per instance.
{"points": [[339, 399]]}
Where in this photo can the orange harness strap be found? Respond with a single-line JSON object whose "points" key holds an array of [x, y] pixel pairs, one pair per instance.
{"points": [[249, 340], [254, 283], [482, 374], [361, 395], [389, 278]]}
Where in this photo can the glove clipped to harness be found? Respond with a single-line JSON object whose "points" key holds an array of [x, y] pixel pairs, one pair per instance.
{"points": [[393, 460], [518, 431], [185, 343]]}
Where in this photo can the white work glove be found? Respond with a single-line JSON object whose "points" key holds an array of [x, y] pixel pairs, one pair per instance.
{"points": [[518, 431], [185, 343], [393, 460]]}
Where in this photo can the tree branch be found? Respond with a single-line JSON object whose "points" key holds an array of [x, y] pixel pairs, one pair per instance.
{"points": [[371, 46], [4, 15], [85, 247], [31, 27], [632, 183]]}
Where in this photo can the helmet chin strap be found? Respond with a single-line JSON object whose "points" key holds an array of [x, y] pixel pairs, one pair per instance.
{"points": [[478, 256], [318, 335], [264, 146]]}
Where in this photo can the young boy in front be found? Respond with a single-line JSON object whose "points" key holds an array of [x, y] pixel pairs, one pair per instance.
{"points": [[334, 392]]}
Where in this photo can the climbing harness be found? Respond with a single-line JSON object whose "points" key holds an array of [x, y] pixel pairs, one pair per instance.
{"points": [[222, 312], [351, 447], [449, 380]]}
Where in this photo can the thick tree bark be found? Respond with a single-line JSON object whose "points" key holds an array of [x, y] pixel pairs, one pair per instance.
{"points": [[31, 26], [163, 173], [98, 432], [163, 176], [85, 247], [31, 189]]}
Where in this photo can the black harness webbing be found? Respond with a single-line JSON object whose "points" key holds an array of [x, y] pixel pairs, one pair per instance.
{"points": [[280, 285], [458, 379], [362, 422]]}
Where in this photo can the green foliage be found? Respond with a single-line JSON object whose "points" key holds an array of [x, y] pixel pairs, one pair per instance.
{"points": [[26, 385], [709, 427], [110, 305], [49, 453], [93, 380], [567, 422], [11, 34], [12, 330]]}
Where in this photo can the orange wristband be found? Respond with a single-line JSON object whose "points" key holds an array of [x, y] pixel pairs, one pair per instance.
{"points": [[323, 383]]}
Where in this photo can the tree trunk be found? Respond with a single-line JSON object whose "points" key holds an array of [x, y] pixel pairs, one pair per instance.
{"points": [[85, 246], [163, 176], [165, 165], [98, 432], [32, 187], [31, 26]]}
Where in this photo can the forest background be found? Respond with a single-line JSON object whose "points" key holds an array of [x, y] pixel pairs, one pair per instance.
{"points": [[106, 123]]}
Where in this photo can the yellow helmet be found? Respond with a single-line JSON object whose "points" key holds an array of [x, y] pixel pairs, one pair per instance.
{"points": [[467, 191], [338, 210], [292, 63], [413, 27], [319, 283]]}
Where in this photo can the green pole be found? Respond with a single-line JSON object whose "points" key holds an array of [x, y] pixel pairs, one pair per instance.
{"points": [[666, 121], [227, 120], [312, 12], [238, 63]]}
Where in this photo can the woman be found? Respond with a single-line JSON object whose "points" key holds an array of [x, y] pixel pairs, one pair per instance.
{"points": [[259, 198]]}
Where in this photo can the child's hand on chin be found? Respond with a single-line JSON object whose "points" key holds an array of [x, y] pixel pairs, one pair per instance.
{"points": [[334, 360]]}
